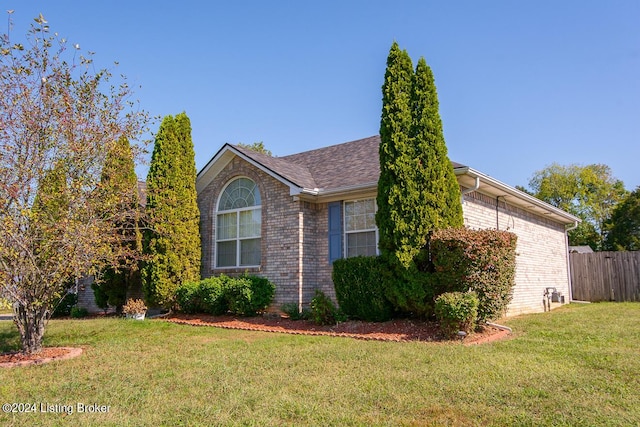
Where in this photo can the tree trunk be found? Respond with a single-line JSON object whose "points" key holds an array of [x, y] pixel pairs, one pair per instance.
{"points": [[30, 322]]}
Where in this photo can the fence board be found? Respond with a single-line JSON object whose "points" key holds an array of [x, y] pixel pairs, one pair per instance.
{"points": [[605, 276]]}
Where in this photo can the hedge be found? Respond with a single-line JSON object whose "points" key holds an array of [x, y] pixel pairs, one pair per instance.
{"points": [[359, 288], [243, 296], [482, 261]]}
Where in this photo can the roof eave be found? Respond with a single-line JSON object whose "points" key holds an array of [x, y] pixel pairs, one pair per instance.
{"points": [[521, 195]]}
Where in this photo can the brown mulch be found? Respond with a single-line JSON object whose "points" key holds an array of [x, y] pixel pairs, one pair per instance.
{"points": [[399, 330], [48, 354]]}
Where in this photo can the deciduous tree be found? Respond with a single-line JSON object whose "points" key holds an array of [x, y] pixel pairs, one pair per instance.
{"points": [[58, 119], [589, 192], [623, 228]]}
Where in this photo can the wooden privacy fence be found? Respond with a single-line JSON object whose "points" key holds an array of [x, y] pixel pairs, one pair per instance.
{"points": [[605, 276]]}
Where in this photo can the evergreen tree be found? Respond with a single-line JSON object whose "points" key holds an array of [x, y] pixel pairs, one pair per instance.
{"points": [[439, 192], [119, 185], [417, 190], [395, 157], [173, 243]]}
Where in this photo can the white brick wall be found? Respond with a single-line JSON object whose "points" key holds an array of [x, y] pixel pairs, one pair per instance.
{"points": [[541, 259]]}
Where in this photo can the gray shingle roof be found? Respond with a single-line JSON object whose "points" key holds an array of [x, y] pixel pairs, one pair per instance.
{"points": [[349, 164]]}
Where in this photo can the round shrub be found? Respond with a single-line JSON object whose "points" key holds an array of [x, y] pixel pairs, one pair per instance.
{"points": [[457, 311]]}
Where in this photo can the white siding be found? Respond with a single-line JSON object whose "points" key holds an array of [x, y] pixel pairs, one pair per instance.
{"points": [[541, 259]]}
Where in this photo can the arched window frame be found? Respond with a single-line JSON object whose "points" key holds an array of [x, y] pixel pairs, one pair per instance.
{"points": [[238, 234]]}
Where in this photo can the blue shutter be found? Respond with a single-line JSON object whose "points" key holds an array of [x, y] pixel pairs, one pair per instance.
{"points": [[335, 231]]}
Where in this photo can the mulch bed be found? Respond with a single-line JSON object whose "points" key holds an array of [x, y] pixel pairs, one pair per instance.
{"points": [[48, 354], [399, 330]]}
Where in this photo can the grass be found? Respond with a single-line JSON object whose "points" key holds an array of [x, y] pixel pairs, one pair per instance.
{"points": [[575, 366]]}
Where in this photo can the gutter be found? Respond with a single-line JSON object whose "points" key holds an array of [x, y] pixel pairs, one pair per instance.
{"points": [[566, 236], [470, 190]]}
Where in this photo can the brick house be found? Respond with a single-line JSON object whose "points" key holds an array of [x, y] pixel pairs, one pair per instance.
{"points": [[288, 218]]}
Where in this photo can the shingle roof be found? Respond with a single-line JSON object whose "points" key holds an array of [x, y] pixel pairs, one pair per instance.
{"points": [[349, 164]]}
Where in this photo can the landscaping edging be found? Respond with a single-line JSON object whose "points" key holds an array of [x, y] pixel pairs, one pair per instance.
{"points": [[59, 353]]}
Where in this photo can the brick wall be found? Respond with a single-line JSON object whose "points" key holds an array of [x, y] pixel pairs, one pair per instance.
{"points": [[289, 228], [541, 260]]}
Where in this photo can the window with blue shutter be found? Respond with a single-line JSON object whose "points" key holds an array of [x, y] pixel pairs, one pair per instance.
{"points": [[335, 231]]}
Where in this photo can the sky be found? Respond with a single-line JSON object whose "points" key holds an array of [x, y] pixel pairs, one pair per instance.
{"points": [[521, 84]]}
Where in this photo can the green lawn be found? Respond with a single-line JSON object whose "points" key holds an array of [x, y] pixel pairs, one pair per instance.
{"points": [[579, 365]]}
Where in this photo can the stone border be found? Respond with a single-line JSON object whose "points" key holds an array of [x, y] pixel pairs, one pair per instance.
{"points": [[70, 354]]}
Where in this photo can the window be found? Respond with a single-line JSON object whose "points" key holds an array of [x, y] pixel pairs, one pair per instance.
{"points": [[361, 234], [238, 225]]}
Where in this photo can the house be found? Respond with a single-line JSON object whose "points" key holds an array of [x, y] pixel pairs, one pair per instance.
{"points": [[288, 218]]}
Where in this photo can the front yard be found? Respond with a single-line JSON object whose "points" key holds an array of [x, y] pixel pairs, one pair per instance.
{"points": [[575, 366]]}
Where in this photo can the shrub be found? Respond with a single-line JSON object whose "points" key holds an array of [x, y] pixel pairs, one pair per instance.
{"points": [[205, 296], [187, 298], [243, 296], [478, 260], [210, 296], [360, 290], [78, 312], [324, 311], [456, 311], [100, 296], [64, 306], [262, 292], [291, 310]]}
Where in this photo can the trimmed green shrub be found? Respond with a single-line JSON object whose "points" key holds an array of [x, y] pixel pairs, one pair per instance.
{"points": [[78, 312], [64, 306], [262, 292], [211, 296], [186, 298], [205, 296], [243, 296], [360, 290], [324, 311], [483, 261], [456, 311]]}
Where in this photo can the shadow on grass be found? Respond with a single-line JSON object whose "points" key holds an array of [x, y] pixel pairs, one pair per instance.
{"points": [[9, 338]]}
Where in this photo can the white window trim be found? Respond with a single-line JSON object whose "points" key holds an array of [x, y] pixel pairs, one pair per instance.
{"points": [[345, 249], [237, 239]]}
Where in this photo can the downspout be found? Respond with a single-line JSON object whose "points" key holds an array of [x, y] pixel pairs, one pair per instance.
{"points": [[470, 190], [566, 236]]}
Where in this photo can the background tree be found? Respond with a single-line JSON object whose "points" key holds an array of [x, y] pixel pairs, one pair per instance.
{"points": [[417, 190], [588, 192], [623, 227], [119, 182], [173, 243], [58, 119], [257, 147]]}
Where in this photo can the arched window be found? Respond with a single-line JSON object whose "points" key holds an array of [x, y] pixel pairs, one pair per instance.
{"points": [[238, 225]]}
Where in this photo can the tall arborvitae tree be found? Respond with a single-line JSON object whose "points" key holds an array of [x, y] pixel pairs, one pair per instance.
{"points": [[439, 192], [395, 156], [119, 184], [173, 242], [417, 190]]}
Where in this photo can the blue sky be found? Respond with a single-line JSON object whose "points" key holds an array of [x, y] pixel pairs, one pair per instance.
{"points": [[521, 84]]}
